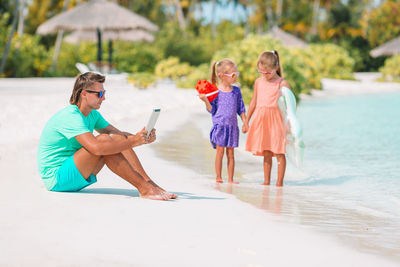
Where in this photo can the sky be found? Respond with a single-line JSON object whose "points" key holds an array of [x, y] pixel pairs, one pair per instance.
{"points": [[229, 11]]}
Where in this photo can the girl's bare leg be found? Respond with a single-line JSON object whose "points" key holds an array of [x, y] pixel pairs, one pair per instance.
{"points": [[267, 167], [281, 168], [218, 163], [231, 163]]}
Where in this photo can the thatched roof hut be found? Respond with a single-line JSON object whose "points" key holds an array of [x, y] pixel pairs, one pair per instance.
{"points": [[287, 39], [96, 14], [387, 49], [129, 35]]}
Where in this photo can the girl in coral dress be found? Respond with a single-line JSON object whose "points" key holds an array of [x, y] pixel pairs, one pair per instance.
{"points": [[267, 134], [224, 110]]}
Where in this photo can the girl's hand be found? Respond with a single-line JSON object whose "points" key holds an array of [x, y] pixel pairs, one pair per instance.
{"points": [[152, 137], [203, 97], [245, 127]]}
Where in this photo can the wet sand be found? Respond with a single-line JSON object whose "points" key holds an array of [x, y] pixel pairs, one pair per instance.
{"points": [[294, 203]]}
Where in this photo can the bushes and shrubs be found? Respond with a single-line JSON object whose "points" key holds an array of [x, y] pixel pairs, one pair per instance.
{"points": [[191, 60], [27, 58], [245, 54], [142, 80], [303, 68], [172, 68], [391, 70]]}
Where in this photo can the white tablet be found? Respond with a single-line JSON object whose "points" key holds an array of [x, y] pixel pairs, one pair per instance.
{"points": [[152, 121]]}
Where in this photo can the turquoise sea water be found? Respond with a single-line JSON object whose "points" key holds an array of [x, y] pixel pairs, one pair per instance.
{"points": [[349, 185]]}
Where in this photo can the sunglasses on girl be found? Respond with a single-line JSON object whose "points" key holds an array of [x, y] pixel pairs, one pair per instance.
{"points": [[233, 74], [99, 93], [265, 72]]}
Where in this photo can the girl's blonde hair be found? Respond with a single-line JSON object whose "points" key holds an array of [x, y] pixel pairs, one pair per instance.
{"points": [[269, 60], [220, 66]]}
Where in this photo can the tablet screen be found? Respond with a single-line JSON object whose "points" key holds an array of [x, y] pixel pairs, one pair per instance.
{"points": [[152, 120]]}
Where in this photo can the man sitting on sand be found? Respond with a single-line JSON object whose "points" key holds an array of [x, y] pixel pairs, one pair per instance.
{"points": [[70, 156]]}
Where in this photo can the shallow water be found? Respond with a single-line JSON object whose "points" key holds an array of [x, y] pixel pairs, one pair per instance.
{"points": [[349, 185]]}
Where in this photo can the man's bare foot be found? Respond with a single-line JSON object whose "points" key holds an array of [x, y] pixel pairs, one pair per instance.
{"points": [[154, 193], [170, 195], [155, 197], [219, 180]]}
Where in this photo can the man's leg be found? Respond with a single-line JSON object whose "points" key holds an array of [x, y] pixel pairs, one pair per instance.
{"points": [[88, 163], [134, 161]]}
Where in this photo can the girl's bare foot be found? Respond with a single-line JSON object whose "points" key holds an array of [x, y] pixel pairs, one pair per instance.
{"points": [[265, 183], [219, 180], [232, 182]]}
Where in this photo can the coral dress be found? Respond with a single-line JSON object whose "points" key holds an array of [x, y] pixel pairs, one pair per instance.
{"points": [[267, 131]]}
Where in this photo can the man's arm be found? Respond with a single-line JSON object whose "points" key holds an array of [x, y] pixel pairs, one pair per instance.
{"points": [[109, 145], [110, 129]]}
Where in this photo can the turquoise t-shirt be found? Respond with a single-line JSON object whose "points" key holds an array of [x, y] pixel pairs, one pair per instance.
{"points": [[58, 143]]}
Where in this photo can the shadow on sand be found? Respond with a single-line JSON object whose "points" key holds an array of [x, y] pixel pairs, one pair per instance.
{"points": [[135, 193]]}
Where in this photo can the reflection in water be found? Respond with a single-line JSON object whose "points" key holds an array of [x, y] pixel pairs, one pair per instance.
{"points": [[270, 202], [268, 198], [312, 203]]}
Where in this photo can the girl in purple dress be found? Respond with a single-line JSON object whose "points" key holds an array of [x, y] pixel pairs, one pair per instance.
{"points": [[229, 102]]}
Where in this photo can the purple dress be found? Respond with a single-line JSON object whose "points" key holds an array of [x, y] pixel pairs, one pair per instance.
{"points": [[225, 130]]}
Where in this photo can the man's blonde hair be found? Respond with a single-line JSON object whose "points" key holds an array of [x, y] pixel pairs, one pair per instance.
{"points": [[82, 82]]}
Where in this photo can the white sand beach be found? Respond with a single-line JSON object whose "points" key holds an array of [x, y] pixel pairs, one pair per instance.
{"points": [[107, 224], [365, 83]]}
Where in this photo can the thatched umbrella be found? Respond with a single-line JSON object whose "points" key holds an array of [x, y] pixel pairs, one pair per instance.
{"points": [[129, 35], [136, 35], [97, 15], [387, 49], [287, 39]]}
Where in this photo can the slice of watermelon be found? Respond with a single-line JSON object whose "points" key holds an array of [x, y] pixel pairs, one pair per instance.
{"points": [[207, 88]]}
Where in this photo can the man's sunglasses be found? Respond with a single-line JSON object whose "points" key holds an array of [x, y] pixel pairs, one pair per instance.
{"points": [[99, 93], [233, 74]]}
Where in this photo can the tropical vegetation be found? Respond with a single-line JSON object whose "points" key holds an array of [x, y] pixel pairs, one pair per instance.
{"points": [[340, 34]]}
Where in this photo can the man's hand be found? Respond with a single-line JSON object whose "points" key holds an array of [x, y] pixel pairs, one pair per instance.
{"points": [[152, 137], [138, 138], [126, 134]]}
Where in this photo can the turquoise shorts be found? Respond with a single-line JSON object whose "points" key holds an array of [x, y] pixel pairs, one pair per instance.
{"points": [[69, 179]]}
